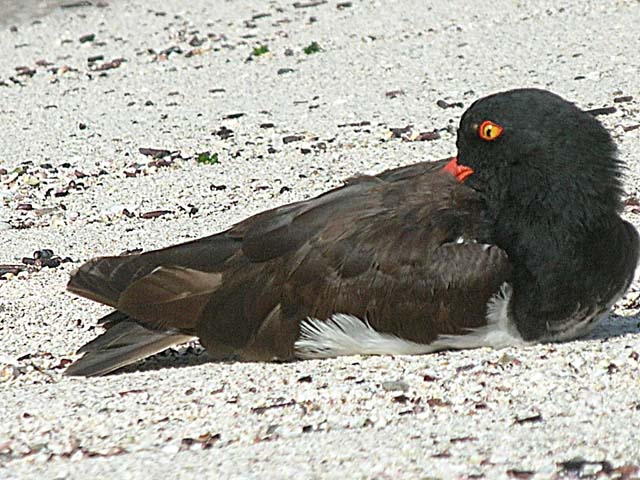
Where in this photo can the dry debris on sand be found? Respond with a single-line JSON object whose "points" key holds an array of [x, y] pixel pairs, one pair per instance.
{"points": [[128, 125]]}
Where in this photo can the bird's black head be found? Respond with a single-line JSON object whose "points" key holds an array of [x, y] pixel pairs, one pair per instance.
{"points": [[535, 153]]}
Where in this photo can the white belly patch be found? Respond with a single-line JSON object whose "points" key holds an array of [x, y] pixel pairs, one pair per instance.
{"points": [[345, 334]]}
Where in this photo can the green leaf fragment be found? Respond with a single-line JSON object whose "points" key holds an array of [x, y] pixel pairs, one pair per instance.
{"points": [[312, 48], [261, 50], [207, 158]]}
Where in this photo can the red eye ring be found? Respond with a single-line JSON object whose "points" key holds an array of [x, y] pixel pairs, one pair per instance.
{"points": [[489, 130]]}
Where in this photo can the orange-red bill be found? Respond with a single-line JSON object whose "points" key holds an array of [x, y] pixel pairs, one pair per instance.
{"points": [[461, 172]]}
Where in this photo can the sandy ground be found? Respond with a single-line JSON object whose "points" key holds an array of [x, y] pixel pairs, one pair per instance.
{"points": [[83, 89], [16, 12]]}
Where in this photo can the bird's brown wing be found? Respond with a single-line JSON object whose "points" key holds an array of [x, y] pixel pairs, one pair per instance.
{"points": [[408, 256], [385, 248]]}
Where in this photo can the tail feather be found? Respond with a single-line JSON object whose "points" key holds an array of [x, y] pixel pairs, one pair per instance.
{"points": [[104, 279], [122, 344], [112, 318], [166, 289], [94, 281]]}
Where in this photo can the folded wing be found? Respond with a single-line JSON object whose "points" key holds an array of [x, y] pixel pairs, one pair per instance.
{"points": [[406, 251]]}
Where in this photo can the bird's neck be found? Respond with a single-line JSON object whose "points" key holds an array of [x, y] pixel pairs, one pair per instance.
{"points": [[552, 264], [537, 236]]}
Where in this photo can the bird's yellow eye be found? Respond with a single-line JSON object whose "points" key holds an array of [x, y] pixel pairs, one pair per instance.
{"points": [[489, 131]]}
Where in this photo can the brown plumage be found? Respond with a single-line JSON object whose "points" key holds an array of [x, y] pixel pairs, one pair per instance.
{"points": [[359, 249]]}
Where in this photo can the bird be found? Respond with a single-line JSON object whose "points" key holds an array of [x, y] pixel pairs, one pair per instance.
{"points": [[516, 240]]}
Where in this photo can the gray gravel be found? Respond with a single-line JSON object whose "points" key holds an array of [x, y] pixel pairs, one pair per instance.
{"points": [[549, 411]]}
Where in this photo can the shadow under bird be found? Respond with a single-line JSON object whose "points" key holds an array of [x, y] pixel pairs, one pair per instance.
{"points": [[516, 240]]}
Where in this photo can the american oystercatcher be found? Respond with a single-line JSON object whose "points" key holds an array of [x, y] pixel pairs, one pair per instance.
{"points": [[516, 240]]}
